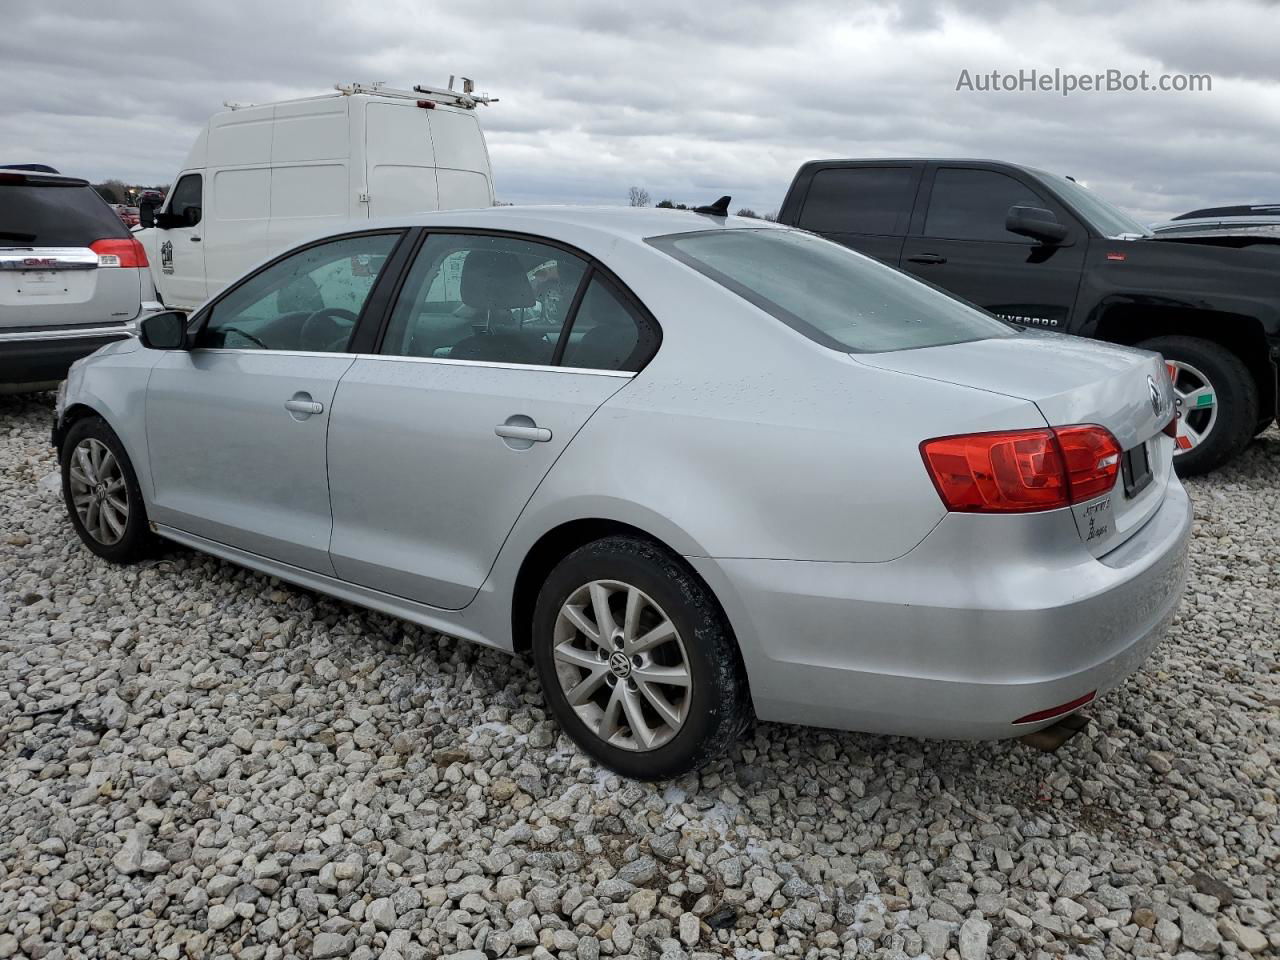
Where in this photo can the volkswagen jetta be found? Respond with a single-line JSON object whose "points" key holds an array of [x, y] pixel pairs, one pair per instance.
{"points": [[699, 467]]}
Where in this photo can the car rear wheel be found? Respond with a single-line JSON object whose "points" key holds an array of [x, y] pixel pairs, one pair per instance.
{"points": [[101, 493], [1216, 398], [637, 661]]}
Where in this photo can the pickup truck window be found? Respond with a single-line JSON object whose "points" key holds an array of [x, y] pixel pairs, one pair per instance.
{"points": [[972, 205], [869, 200], [1108, 220], [832, 295]]}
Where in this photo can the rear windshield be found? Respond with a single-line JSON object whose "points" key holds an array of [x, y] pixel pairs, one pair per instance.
{"points": [[829, 293], [40, 215]]}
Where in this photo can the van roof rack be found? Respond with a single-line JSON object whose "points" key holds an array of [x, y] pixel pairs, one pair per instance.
{"points": [[467, 98]]}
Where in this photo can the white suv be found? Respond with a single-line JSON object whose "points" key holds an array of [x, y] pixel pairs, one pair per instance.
{"points": [[72, 276]]}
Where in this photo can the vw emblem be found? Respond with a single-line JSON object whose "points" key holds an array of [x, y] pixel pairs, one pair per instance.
{"points": [[1157, 401], [620, 664]]}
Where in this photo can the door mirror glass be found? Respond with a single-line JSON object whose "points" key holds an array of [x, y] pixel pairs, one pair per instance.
{"points": [[164, 331], [146, 214], [1036, 223]]}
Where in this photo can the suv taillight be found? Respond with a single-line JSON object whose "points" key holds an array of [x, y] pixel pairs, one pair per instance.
{"points": [[120, 252], [1019, 471]]}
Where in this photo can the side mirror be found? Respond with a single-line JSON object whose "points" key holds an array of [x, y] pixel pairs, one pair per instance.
{"points": [[146, 214], [1036, 223], [164, 331]]}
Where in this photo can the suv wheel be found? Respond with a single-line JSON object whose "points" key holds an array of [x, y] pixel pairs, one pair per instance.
{"points": [[636, 660], [101, 493], [1217, 401]]}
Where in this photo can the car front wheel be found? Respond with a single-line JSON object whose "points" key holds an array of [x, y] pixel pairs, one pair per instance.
{"points": [[637, 661], [101, 493]]}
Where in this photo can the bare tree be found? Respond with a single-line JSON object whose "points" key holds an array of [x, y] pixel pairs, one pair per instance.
{"points": [[748, 212], [638, 197]]}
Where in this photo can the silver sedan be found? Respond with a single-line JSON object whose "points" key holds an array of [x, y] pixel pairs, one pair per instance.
{"points": [[701, 468]]}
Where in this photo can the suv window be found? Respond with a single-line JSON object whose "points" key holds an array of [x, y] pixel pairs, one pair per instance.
{"points": [[308, 301], [972, 205], [188, 199], [827, 292], [492, 299], [875, 200], [53, 213]]}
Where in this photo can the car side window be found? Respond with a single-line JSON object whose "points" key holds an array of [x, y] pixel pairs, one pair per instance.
{"points": [[607, 332], [868, 200], [972, 205], [308, 301], [188, 199], [481, 298]]}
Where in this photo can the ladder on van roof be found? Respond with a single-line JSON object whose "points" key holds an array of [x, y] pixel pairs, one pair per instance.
{"points": [[467, 98]]}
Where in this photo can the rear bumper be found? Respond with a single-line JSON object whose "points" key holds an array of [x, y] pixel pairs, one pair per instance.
{"points": [[42, 356], [976, 627]]}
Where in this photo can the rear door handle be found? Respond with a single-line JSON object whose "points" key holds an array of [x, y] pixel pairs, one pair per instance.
{"points": [[304, 405], [515, 432], [927, 258]]}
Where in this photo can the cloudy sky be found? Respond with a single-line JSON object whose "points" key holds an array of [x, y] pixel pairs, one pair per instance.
{"points": [[689, 100]]}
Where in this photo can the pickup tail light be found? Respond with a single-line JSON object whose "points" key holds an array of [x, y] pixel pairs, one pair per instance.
{"points": [[120, 252], [1021, 471]]}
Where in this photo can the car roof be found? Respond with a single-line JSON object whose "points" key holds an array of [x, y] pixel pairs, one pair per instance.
{"points": [[630, 223]]}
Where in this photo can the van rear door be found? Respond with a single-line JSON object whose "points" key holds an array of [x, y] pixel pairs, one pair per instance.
{"points": [[400, 159], [462, 160]]}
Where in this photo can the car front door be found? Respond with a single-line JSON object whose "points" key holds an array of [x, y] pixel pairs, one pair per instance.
{"points": [[497, 352], [182, 276], [236, 426], [962, 246]]}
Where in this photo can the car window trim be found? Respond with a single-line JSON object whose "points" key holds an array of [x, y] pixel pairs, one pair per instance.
{"points": [[566, 328], [201, 316], [593, 264], [444, 361]]}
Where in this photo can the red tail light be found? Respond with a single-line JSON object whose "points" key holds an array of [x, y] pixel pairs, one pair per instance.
{"points": [[1020, 471], [122, 252]]}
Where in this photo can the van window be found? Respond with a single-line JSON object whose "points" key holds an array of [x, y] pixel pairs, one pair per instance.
{"points": [[187, 199], [870, 200], [308, 301]]}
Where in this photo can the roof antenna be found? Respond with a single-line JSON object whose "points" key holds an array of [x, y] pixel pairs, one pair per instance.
{"points": [[718, 209]]}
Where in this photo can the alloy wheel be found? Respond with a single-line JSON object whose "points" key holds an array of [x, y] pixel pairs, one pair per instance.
{"points": [[622, 665], [1196, 403], [98, 491]]}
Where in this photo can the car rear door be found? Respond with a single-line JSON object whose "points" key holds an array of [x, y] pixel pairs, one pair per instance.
{"points": [[959, 242], [66, 258], [490, 363], [865, 207], [236, 426]]}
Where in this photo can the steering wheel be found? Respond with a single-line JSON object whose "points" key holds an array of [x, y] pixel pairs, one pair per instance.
{"points": [[326, 327], [244, 333]]}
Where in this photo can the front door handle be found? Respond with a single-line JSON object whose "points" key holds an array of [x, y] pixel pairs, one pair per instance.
{"points": [[927, 258], [302, 405], [510, 431], [195, 239]]}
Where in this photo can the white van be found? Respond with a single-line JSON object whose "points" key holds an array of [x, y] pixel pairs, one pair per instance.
{"points": [[261, 178]]}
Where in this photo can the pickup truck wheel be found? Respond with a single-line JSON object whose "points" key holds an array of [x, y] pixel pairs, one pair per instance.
{"points": [[1217, 402]]}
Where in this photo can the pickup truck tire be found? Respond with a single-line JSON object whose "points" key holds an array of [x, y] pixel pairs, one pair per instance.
{"points": [[1212, 431]]}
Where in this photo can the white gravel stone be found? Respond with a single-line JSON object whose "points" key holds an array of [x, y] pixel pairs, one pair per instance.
{"points": [[186, 746]]}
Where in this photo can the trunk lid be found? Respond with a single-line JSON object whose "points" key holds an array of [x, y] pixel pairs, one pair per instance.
{"points": [[1071, 381]]}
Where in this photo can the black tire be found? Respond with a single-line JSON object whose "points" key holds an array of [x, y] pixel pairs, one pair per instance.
{"points": [[136, 542], [1234, 390], [718, 706]]}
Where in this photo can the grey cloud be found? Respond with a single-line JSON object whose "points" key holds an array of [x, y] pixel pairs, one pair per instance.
{"points": [[688, 100]]}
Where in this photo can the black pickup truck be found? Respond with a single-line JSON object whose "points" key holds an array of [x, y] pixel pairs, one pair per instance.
{"points": [[1040, 250]]}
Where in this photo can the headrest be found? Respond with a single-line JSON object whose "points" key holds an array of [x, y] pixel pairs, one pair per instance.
{"points": [[494, 279]]}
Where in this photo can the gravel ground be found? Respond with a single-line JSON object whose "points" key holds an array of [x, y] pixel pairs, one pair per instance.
{"points": [[198, 761]]}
